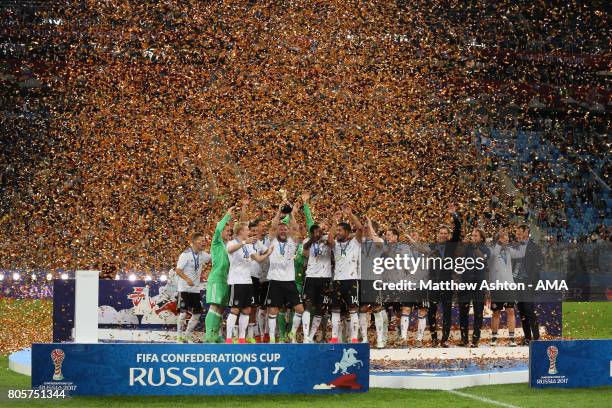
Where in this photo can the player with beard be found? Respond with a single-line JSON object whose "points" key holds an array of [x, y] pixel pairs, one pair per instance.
{"points": [[298, 263], [347, 275], [217, 290], [282, 290], [189, 270], [372, 247], [318, 251]]}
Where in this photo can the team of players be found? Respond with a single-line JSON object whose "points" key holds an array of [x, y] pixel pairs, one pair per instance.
{"points": [[264, 276]]}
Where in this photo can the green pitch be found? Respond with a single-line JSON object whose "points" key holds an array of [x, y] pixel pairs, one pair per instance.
{"points": [[581, 320], [587, 320]]}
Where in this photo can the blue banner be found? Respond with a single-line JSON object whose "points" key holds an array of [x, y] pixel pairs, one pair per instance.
{"points": [[121, 304], [570, 363], [200, 369]]}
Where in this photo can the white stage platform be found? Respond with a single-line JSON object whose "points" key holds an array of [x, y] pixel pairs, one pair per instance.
{"points": [[445, 380], [169, 336], [451, 353], [448, 368]]}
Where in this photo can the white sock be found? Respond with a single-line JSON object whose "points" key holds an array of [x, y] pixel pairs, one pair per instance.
{"points": [[230, 324], [261, 321], [297, 320], [363, 325], [272, 327], [404, 323], [306, 324], [180, 323], [385, 323], [380, 326], [316, 321], [243, 324], [335, 324], [354, 327], [193, 322], [421, 327]]}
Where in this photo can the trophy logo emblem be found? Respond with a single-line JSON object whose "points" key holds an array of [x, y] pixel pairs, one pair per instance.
{"points": [[57, 356], [552, 353]]}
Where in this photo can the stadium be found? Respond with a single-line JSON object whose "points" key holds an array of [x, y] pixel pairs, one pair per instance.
{"points": [[264, 203]]}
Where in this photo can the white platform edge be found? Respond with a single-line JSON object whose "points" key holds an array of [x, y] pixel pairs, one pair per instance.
{"points": [[21, 368], [449, 382], [451, 353]]}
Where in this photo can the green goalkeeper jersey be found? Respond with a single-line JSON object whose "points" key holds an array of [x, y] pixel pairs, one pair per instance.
{"points": [[218, 253], [299, 261]]}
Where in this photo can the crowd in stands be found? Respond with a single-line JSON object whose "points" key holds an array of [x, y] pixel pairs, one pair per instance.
{"points": [[126, 125]]}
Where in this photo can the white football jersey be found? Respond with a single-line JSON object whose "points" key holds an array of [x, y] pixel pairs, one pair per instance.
{"points": [[265, 265], [256, 268], [241, 264], [191, 264], [346, 255], [319, 260], [281, 260]]}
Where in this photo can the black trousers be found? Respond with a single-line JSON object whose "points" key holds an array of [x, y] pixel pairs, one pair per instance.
{"points": [[464, 320], [529, 320], [447, 307]]}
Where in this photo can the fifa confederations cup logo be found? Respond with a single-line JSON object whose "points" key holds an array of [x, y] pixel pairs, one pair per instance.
{"points": [[552, 352], [57, 356]]}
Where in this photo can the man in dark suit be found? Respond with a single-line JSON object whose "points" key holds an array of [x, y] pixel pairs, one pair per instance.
{"points": [[444, 248], [473, 274], [529, 273]]}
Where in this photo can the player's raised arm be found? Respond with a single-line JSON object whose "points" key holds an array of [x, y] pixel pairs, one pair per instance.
{"points": [[294, 229], [275, 222], [331, 236], [244, 209], [456, 237], [307, 213], [358, 226], [371, 233], [217, 236], [414, 239]]}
